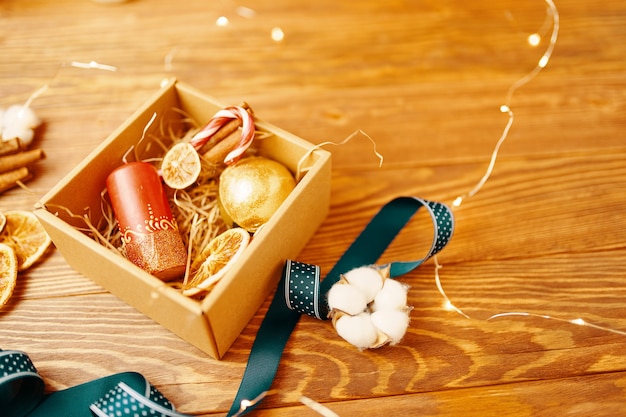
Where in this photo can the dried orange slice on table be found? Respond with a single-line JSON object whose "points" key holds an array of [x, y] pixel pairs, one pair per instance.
{"points": [[26, 236], [216, 259], [181, 166], [8, 272]]}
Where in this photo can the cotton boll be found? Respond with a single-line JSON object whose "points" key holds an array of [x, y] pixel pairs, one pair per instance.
{"points": [[25, 116], [391, 322], [392, 296], [367, 280], [357, 330], [19, 122], [347, 299], [25, 135]]}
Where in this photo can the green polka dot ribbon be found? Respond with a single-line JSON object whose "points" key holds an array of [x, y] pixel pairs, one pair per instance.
{"points": [[124, 401], [301, 292], [21, 387], [126, 394]]}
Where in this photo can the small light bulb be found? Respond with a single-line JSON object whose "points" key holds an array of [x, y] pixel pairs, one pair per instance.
{"points": [[222, 21], [580, 322], [534, 39], [504, 108], [457, 201], [277, 34]]}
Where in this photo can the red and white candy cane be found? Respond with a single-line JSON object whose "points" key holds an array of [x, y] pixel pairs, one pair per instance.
{"points": [[220, 119]]}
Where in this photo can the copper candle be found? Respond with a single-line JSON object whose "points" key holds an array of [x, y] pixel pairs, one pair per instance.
{"points": [[149, 231]]}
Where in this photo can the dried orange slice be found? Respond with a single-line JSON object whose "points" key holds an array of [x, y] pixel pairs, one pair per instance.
{"points": [[215, 259], [8, 272], [26, 236], [181, 166], [3, 221]]}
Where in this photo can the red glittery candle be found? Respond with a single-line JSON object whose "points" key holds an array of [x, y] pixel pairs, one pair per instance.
{"points": [[149, 232]]}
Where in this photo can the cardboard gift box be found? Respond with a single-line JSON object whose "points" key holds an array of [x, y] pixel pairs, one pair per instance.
{"points": [[213, 323]]}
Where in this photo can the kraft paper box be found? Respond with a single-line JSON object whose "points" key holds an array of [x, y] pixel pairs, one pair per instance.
{"points": [[215, 322]]}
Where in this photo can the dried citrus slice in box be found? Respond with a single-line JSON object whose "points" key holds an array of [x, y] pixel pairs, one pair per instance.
{"points": [[8, 272], [26, 236], [181, 166], [215, 259]]}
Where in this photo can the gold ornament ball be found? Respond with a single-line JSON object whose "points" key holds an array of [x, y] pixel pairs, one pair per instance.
{"points": [[252, 189]]}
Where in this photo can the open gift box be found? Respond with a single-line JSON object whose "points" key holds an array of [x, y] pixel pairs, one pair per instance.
{"points": [[213, 323]]}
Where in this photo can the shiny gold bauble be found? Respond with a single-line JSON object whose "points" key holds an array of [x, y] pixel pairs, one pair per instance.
{"points": [[252, 189]]}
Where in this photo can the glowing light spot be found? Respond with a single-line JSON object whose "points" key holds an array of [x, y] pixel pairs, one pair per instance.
{"points": [[534, 39], [222, 21], [448, 306], [245, 404], [543, 61], [93, 64], [246, 12], [579, 322], [457, 201], [504, 108], [277, 34]]}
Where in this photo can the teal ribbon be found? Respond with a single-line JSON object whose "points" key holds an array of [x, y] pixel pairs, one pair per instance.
{"points": [[301, 292], [126, 394]]}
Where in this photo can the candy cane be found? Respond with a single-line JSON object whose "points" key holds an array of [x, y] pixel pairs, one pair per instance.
{"points": [[220, 119]]}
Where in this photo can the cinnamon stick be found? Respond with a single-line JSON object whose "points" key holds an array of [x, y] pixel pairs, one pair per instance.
{"points": [[218, 153], [224, 131], [9, 179], [20, 160]]}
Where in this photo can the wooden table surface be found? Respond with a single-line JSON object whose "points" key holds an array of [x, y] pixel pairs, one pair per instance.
{"points": [[425, 80]]}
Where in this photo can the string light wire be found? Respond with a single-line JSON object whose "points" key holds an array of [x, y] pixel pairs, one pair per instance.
{"points": [[506, 108]]}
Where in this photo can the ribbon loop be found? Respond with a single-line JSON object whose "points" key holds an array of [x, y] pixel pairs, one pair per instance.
{"points": [[21, 387], [443, 225], [301, 286], [301, 282], [119, 395], [124, 401]]}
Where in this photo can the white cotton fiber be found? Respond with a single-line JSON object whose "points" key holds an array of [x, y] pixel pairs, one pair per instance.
{"points": [[347, 299], [357, 330], [392, 296], [368, 280], [393, 323], [19, 122]]}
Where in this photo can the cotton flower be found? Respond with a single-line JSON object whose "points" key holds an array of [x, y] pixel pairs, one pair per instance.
{"points": [[346, 298], [19, 122], [367, 280], [393, 296], [357, 330], [392, 323], [368, 308]]}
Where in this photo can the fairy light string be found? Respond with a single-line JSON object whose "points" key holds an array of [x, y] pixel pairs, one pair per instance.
{"points": [[506, 108]]}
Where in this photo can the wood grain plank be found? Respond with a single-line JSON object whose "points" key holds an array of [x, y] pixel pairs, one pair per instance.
{"points": [[425, 81], [595, 395]]}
